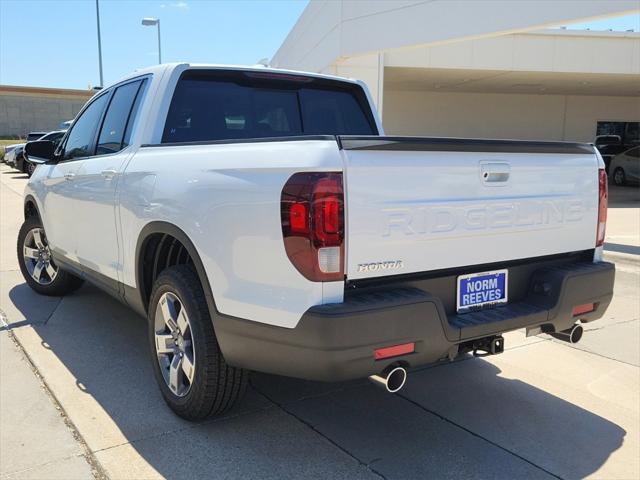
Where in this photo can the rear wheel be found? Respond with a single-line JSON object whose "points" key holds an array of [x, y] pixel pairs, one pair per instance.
{"points": [[619, 177], [38, 266], [193, 376]]}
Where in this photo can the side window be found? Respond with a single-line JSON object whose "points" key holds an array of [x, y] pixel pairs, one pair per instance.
{"points": [[118, 114], [81, 136], [134, 114]]}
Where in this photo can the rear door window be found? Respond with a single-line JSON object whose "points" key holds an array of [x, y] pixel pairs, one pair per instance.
{"points": [[119, 113], [209, 106]]}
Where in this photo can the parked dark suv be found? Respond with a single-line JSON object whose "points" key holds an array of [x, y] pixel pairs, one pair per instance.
{"points": [[31, 136]]}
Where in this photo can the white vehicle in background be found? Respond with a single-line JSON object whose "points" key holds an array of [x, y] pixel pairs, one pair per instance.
{"points": [[10, 154], [625, 167], [13, 154], [260, 220]]}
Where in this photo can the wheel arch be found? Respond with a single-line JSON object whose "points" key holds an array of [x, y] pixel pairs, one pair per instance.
{"points": [[31, 207], [150, 232]]}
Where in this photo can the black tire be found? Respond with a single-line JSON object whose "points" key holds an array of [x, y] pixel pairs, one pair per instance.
{"points": [[216, 386], [63, 283], [619, 177], [31, 167]]}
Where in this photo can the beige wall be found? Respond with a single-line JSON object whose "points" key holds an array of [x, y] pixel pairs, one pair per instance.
{"points": [[35, 109], [531, 117]]}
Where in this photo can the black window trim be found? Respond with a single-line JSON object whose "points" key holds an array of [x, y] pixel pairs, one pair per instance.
{"points": [[140, 91], [96, 136], [63, 144], [93, 144]]}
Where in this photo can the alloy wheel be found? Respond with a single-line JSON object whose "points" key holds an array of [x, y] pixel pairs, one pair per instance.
{"points": [[37, 257], [174, 344]]}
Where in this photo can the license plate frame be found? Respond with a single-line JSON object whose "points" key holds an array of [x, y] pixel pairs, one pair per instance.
{"points": [[468, 285]]}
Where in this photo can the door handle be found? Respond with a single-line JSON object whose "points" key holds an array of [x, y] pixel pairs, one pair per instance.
{"points": [[109, 173], [69, 176]]}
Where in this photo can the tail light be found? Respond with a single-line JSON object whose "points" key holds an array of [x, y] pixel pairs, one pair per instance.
{"points": [[312, 216], [603, 200]]}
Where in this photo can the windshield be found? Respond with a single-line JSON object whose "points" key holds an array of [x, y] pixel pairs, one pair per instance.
{"points": [[219, 105]]}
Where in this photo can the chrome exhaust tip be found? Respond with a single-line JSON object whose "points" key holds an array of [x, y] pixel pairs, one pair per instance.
{"points": [[392, 379], [570, 335]]}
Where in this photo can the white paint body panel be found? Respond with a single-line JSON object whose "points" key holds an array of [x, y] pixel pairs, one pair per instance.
{"points": [[58, 196], [226, 198], [434, 210]]}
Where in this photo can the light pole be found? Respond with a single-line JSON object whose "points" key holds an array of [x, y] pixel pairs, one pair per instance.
{"points": [[149, 22], [99, 43]]}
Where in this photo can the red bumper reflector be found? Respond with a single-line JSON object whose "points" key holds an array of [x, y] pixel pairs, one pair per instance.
{"points": [[396, 350], [582, 309]]}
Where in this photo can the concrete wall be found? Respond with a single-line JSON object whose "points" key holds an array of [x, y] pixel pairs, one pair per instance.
{"points": [[24, 111], [512, 116]]}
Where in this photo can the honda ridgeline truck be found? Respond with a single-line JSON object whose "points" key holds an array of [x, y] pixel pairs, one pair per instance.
{"points": [[261, 220]]}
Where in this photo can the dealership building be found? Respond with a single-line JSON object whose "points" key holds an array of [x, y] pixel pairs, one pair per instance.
{"points": [[495, 68]]}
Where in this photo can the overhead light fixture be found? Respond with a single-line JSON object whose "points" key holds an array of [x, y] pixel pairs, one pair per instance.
{"points": [[152, 22]]}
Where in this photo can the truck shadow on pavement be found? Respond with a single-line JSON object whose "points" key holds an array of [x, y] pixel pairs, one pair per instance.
{"points": [[454, 420], [16, 175]]}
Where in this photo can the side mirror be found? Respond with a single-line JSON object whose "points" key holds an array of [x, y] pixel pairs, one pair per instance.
{"points": [[40, 151]]}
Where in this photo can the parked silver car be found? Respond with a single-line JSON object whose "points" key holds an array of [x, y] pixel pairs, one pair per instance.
{"points": [[625, 167], [10, 154]]}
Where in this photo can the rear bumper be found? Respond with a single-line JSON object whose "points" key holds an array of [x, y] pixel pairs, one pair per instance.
{"points": [[337, 341]]}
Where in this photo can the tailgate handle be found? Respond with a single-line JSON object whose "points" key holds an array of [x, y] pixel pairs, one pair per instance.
{"points": [[495, 173]]}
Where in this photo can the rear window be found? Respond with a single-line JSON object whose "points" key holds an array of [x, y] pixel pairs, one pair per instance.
{"points": [[208, 106]]}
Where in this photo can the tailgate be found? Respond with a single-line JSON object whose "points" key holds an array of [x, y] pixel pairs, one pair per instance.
{"points": [[421, 204]]}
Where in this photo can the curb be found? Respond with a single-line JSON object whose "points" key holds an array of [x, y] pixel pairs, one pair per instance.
{"points": [[623, 259]]}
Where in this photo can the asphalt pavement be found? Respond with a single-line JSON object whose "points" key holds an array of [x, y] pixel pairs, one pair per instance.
{"points": [[78, 398]]}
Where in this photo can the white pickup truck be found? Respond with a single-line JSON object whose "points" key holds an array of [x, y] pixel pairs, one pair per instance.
{"points": [[260, 220]]}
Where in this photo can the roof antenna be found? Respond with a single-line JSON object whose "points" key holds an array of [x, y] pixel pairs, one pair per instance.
{"points": [[263, 62]]}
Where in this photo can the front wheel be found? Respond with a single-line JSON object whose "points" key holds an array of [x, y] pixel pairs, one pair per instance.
{"points": [[619, 177], [38, 266], [194, 379]]}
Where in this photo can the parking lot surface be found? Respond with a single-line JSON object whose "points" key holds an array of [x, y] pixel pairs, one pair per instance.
{"points": [[542, 409]]}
